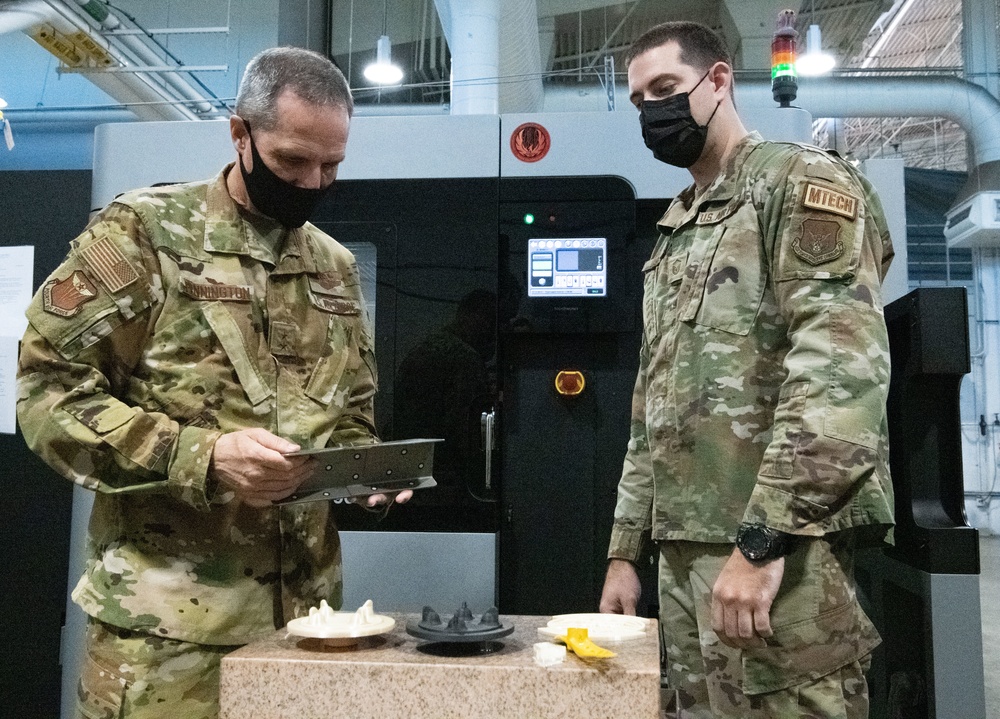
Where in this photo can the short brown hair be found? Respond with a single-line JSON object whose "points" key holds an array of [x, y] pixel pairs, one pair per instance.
{"points": [[700, 46]]}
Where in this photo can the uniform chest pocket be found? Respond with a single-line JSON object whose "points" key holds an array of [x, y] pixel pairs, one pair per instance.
{"points": [[730, 280], [233, 342], [340, 355], [662, 277]]}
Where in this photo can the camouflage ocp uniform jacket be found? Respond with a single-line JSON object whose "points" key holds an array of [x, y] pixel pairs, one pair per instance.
{"points": [[764, 366], [175, 318]]}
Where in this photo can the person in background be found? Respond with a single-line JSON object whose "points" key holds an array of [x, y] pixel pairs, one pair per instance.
{"points": [[758, 457], [194, 337]]}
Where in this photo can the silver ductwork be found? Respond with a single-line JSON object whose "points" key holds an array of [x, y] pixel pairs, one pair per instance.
{"points": [[71, 20], [966, 104]]}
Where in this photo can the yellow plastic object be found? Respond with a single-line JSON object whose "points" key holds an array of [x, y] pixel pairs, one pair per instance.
{"points": [[577, 639]]}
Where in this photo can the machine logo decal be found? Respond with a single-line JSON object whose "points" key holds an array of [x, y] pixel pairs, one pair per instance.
{"points": [[818, 242], [66, 297], [530, 142]]}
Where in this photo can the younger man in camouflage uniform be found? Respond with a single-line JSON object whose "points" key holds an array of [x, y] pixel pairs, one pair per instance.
{"points": [[195, 335], [759, 410]]}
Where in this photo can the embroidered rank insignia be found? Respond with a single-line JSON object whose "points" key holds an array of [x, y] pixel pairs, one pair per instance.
{"points": [[65, 297], [821, 197], [109, 264], [677, 267], [819, 241]]}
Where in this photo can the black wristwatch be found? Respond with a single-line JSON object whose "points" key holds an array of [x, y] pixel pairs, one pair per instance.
{"points": [[759, 543]]}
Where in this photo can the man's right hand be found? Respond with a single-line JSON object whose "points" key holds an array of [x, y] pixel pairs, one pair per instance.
{"points": [[621, 588], [252, 463]]}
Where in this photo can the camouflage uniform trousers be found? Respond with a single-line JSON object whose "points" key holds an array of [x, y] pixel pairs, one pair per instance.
{"points": [[815, 664], [131, 675]]}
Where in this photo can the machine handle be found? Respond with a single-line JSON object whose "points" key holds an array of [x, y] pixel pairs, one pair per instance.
{"points": [[486, 421]]}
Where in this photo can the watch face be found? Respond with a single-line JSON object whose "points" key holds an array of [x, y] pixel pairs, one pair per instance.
{"points": [[753, 542]]}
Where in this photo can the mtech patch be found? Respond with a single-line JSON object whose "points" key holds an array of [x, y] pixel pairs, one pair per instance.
{"points": [[821, 197]]}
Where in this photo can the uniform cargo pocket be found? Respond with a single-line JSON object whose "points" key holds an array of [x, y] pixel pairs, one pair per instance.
{"points": [[779, 457], [100, 691], [809, 649], [859, 374]]}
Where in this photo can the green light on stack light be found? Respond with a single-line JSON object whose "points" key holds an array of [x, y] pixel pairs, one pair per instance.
{"points": [[783, 70]]}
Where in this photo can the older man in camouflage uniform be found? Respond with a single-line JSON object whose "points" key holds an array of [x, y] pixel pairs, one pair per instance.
{"points": [[194, 336], [759, 410]]}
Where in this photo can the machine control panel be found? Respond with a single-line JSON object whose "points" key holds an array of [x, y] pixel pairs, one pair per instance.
{"points": [[567, 267]]}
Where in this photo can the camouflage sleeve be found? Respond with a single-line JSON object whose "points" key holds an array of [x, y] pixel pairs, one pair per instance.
{"points": [[827, 247], [634, 510], [88, 325]]}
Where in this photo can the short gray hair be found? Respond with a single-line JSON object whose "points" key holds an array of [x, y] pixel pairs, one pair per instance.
{"points": [[311, 76]]}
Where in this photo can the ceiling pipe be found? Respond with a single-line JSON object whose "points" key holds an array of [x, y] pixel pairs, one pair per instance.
{"points": [[144, 100], [91, 13], [21, 16], [964, 103]]}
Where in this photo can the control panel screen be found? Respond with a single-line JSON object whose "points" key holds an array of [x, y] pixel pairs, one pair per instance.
{"points": [[575, 267]]}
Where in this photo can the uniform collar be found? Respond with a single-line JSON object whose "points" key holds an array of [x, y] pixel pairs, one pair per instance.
{"points": [[231, 229], [723, 188]]}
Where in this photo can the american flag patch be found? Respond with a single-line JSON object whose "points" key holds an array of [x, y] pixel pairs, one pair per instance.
{"points": [[110, 265]]}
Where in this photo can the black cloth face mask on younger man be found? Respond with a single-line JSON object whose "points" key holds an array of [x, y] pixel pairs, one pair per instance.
{"points": [[275, 197], [670, 131]]}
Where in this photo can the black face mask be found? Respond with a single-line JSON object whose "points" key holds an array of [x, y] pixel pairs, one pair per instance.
{"points": [[277, 198], [671, 132]]}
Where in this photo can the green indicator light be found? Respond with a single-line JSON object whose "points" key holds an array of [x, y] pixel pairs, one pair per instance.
{"points": [[529, 219], [783, 70]]}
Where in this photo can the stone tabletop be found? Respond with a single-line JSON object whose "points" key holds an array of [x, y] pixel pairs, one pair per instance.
{"points": [[398, 675]]}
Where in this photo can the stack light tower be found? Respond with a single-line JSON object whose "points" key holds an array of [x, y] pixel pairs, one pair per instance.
{"points": [[784, 81]]}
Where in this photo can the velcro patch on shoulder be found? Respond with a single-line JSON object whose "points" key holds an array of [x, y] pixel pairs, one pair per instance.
{"points": [[819, 241], [830, 199], [109, 264], [65, 297]]}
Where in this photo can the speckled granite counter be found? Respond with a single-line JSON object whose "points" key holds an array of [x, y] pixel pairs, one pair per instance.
{"points": [[397, 676]]}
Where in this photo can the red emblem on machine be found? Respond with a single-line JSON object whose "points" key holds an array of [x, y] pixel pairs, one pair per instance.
{"points": [[530, 142]]}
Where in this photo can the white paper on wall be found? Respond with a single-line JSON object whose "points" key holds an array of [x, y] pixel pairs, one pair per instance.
{"points": [[8, 388], [16, 277]]}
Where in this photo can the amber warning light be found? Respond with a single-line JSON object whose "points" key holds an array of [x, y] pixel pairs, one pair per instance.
{"points": [[570, 382]]}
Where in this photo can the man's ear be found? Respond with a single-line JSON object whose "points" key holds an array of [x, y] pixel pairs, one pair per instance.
{"points": [[238, 132], [721, 77]]}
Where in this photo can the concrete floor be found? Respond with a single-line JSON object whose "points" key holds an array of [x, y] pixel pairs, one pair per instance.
{"points": [[989, 593]]}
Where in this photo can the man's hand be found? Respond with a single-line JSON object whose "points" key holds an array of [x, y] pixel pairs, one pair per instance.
{"points": [[621, 588], [374, 500], [742, 598], [252, 463]]}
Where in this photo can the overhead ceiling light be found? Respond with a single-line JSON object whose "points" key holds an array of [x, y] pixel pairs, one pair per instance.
{"points": [[814, 61], [382, 71]]}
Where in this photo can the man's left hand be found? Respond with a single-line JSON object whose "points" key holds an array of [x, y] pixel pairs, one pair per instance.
{"points": [[742, 598], [375, 500]]}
